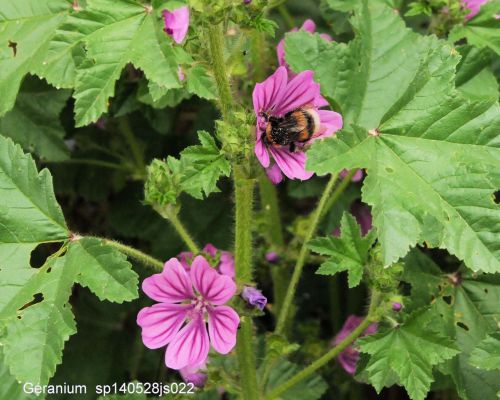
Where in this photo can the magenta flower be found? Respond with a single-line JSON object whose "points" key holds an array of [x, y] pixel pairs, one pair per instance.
{"points": [[188, 302], [177, 23], [277, 98], [474, 6], [254, 297], [194, 375], [363, 216], [226, 261], [308, 26], [349, 357]]}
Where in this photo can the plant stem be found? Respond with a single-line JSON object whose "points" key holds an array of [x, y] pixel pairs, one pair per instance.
{"points": [[134, 253], [287, 17], [271, 211], [135, 149], [299, 265], [243, 188], [334, 352], [172, 216], [339, 190], [216, 45]]}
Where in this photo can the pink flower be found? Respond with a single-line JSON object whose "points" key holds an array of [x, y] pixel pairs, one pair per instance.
{"points": [[349, 357], [473, 6], [363, 216], [308, 26], [276, 98], [177, 23], [226, 260], [193, 374], [188, 302]]}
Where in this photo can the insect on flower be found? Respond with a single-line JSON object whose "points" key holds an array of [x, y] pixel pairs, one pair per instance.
{"points": [[296, 126]]}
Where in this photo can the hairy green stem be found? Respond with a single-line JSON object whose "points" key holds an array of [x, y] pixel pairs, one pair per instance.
{"points": [[216, 45], [334, 352], [243, 189], [173, 217], [339, 190], [299, 265], [134, 253]]}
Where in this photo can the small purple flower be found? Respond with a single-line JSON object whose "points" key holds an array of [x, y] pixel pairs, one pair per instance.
{"points": [[254, 297], [396, 306], [193, 374], [272, 257], [247, 2], [308, 26], [177, 23], [277, 96], [226, 262], [474, 6], [188, 302], [349, 357]]}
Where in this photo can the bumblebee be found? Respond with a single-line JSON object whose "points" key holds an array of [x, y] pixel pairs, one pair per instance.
{"points": [[298, 125]]}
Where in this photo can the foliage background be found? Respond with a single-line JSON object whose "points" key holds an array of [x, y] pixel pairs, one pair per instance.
{"points": [[98, 173]]}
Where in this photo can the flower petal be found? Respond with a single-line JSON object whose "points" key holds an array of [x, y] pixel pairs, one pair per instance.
{"points": [[177, 23], [214, 287], [223, 324], [280, 52], [226, 266], [274, 174], [262, 153], [301, 90], [161, 322], [309, 26], [267, 94], [331, 122], [291, 164], [210, 249], [326, 36], [170, 286], [189, 347]]}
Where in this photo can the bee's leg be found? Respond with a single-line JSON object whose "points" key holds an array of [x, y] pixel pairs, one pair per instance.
{"points": [[292, 147], [263, 137]]}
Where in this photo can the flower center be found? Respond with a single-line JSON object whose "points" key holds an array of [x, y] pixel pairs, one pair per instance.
{"points": [[200, 307]]}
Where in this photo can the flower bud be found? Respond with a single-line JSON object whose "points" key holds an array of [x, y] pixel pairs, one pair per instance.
{"points": [[254, 297], [272, 257], [396, 306]]}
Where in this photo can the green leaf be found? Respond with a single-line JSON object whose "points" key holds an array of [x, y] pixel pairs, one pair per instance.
{"points": [[26, 29], [466, 310], [482, 30], [29, 215], [475, 79], [36, 333], [123, 32], [349, 252], [198, 82], [487, 354], [311, 388], [104, 270], [10, 388], [410, 352], [202, 167], [432, 156], [34, 122], [463, 307]]}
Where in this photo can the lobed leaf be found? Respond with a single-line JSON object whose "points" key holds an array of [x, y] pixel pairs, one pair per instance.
{"points": [[104, 270], [431, 155], [409, 351], [349, 252], [487, 354]]}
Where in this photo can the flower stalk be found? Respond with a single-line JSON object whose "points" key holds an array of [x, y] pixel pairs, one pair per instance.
{"points": [[134, 254], [299, 265], [243, 187], [172, 216], [334, 352]]}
